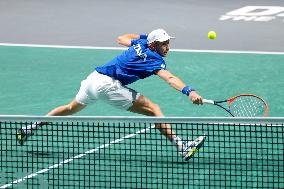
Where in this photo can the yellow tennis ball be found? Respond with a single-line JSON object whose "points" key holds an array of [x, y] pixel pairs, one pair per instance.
{"points": [[212, 35]]}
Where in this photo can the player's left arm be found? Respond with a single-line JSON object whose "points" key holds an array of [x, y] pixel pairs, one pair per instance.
{"points": [[179, 85], [126, 39]]}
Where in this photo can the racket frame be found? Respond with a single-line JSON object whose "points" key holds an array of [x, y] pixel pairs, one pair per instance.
{"points": [[230, 100]]}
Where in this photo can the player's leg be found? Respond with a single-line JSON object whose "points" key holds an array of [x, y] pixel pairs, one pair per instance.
{"points": [[146, 107], [128, 99], [83, 98], [68, 109], [143, 105]]}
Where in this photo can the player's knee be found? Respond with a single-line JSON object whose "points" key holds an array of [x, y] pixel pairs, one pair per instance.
{"points": [[146, 107], [69, 107], [156, 110]]}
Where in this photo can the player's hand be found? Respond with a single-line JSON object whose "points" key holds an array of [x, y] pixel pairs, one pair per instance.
{"points": [[195, 98]]}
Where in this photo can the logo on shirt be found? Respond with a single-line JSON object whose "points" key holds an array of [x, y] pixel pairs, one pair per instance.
{"points": [[139, 52]]}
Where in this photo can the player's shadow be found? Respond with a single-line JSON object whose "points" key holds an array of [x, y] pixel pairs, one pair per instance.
{"points": [[137, 159], [45, 154]]}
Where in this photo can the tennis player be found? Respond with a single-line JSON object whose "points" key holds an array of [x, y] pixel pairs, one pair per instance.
{"points": [[143, 58]]}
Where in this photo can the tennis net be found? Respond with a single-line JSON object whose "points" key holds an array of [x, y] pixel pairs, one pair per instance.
{"points": [[128, 152]]}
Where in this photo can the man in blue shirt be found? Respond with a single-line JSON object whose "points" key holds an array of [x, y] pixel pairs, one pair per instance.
{"points": [[143, 58]]}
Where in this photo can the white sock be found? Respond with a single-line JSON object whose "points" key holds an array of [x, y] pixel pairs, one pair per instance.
{"points": [[28, 129], [178, 142]]}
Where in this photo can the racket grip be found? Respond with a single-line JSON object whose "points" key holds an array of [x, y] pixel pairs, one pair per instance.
{"points": [[208, 101]]}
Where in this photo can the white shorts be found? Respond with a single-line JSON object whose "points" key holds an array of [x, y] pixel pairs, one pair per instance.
{"points": [[98, 86]]}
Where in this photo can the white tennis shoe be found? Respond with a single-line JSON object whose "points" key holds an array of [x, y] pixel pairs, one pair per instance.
{"points": [[192, 147]]}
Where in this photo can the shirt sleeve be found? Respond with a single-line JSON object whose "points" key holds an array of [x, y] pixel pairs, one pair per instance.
{"points": [[133, 42], [160, 65], [142, 41], [143, 36]]}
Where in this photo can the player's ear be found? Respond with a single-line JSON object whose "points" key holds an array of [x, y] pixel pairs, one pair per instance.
{"points": [[152, 46]]}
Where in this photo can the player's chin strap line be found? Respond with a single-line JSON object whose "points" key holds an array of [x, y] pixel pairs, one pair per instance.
{"points": [[186, 90]]}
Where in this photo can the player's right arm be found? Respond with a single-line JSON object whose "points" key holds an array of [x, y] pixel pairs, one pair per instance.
{"points": [[179, 85]]}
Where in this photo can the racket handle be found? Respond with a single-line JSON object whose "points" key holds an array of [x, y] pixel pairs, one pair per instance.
{"points": [[208, 101]]}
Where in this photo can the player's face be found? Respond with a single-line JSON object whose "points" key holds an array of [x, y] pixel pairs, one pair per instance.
{"points": [[162, 48]]}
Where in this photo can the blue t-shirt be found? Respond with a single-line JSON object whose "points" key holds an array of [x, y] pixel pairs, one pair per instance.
{"points": [[138, 62]]}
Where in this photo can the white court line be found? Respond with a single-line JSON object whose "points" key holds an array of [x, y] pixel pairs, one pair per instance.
{"points": [[66, 161], [123, 48]]}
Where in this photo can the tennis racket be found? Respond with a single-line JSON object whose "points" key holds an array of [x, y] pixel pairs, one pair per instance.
{"points": [[243, 105]]}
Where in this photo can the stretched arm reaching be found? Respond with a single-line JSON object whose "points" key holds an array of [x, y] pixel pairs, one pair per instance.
{"points": [[178, 84]]}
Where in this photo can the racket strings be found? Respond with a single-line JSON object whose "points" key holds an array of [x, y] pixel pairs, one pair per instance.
{"points": [[247, 106]]}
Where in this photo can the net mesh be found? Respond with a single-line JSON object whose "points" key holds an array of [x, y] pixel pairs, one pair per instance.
{"points": [[131, 153], [248, 106]]}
